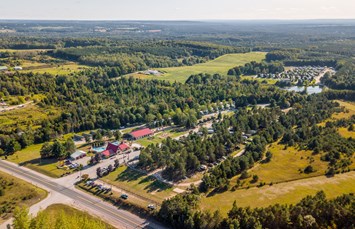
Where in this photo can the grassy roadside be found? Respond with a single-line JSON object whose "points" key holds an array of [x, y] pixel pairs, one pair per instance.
{"points": [[55, 212], [16, 192]]}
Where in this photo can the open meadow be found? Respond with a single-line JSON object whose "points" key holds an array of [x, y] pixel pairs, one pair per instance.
{"points": [[220, 65], [283, 193]]}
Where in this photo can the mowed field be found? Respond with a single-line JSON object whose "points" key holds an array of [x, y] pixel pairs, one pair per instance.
{"points": [[139, 184], [283, 193], [220, 65], [17, 192], [31, 158]]}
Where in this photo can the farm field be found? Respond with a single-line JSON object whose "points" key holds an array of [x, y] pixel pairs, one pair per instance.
{"points": [[283, 193], [30, 157], [53, 213], [220, 65], [139, 184], [16, 192]]}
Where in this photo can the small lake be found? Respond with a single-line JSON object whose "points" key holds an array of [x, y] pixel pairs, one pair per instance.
{"points": [[310, 89]]}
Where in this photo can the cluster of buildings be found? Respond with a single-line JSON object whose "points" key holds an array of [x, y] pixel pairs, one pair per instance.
{"points": [[151, 72], [221, 107], [295, 74], [110, 148]]}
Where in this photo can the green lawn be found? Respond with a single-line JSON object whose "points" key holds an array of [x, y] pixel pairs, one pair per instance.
{"points": [[30, 157], [159, 137], [139, 184], [219, 65], [17, 192], [288, 192]]}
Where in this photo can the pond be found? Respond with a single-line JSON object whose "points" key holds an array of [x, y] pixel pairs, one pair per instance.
{"points": [[310, 90]]}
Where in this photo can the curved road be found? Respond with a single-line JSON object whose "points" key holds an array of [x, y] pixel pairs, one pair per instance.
{"points": [[117, 217]]}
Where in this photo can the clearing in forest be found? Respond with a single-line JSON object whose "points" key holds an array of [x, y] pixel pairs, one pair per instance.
{"points": [[283, 193], [220, 65]]}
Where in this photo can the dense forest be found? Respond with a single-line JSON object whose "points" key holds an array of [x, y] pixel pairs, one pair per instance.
{"points": [[343, 79], [95, 101], [254, 68]]}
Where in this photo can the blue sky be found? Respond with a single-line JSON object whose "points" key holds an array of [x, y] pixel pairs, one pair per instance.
{"points": [[176, 9]]}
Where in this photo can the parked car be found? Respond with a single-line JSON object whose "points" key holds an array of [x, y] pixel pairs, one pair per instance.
{"points": [[124, 196], [151, 207]]}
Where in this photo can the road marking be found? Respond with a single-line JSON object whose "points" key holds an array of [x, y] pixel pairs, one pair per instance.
{"points": [[19, 170]]}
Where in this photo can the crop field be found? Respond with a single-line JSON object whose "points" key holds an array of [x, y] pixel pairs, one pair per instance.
{"points": [[283, 193], [220, 65], [16, 192], [139, 184]]}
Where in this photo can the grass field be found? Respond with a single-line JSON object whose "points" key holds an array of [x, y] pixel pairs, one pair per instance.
{"points": [[288, 192], [344, 132], [23, 117], [219, 65], [62, 69], [139, 184], [289, 161], [54, 212], [349, 110], [17, 193], [30, 157]]}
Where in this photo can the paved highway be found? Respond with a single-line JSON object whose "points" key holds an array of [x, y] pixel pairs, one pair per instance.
{"points": [[117, 217]]}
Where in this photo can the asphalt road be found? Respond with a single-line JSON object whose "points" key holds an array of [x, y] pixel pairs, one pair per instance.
{"points": [[117, 217]]}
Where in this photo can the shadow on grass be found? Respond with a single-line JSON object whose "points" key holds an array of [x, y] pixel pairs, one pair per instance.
{"points": [[152, 184], [129, 175], [39, 162]]}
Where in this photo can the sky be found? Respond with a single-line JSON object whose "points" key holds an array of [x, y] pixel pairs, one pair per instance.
{"points": [[176, 9]]}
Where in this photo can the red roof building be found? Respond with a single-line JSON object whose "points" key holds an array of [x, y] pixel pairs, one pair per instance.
{"points": [[138, 134], [123, 147], [112, 148], [106, 154]]}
